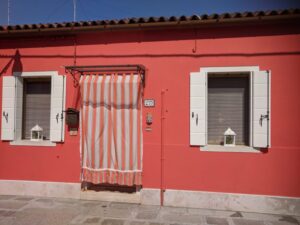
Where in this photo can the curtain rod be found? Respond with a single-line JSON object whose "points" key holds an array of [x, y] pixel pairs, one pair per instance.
{"points": [[108, 68]]}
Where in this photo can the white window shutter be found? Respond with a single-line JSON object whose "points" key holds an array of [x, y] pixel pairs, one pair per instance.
{"points": [[261, 109], [57, 117], [19, 108], [8, 108], [198, 90]]}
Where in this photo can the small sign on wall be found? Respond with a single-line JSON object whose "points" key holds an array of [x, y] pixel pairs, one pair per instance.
{"points": [[73, 131], [149, 103]]}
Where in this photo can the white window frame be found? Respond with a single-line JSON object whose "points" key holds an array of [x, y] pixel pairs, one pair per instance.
{"points": [[18, 133], [242, 69]]}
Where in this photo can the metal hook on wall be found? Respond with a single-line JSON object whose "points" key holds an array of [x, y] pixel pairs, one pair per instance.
{"points": [[5, 116]]}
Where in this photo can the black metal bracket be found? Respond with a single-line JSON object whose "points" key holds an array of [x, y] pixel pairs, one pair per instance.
{"points": [[140, 69], [5, 114]]}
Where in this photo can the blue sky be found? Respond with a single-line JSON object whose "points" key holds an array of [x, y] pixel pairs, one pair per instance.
{"points": [[43, 11]]}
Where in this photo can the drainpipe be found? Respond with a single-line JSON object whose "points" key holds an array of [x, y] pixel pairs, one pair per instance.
{"points": [[162, 143]]}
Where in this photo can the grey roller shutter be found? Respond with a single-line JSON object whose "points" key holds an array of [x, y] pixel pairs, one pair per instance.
{"points": [[36, 106], [228, 106]]}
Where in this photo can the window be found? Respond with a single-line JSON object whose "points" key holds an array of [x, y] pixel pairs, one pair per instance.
{"points": [[36, 106], [30, 99], [228, 107], [235, 97]]}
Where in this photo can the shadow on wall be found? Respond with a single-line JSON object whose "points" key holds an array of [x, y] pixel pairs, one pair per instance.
{"points": [[173, 55], [139, 36], [17, 64]]}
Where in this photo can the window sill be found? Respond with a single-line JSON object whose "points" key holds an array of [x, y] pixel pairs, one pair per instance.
{"points": [[220, 148], [32, 143]]}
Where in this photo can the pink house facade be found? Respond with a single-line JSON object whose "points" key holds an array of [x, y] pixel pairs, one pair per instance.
{"points": [[155, 96]]}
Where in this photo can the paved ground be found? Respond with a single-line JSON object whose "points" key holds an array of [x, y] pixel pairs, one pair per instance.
{"points": [[19, 210]]}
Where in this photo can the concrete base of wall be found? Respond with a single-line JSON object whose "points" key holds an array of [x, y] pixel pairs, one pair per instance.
{"points": [[224, 201], [63, 190], [233, 202], [150, 196], [40, 188], [175, 198]]}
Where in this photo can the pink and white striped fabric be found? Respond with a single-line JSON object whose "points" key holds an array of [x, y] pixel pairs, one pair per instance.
{"points": [[111, 129]]}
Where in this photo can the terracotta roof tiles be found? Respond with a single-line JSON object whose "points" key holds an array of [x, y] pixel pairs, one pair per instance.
{"points": [[153, 20]]}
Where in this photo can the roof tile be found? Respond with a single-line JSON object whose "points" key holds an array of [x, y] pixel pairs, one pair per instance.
{"points": [[162, 19]]}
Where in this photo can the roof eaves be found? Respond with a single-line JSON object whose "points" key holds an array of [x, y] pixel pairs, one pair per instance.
{"points": [[162, 21]]}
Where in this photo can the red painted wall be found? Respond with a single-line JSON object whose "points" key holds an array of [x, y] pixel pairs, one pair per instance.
{"points": [[170, 56]]}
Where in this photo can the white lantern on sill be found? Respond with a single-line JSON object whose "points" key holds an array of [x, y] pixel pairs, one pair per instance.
{"points": [[229, 137], [36, 133]]}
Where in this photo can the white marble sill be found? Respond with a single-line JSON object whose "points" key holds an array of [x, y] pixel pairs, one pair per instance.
{"points": [[32, 143], [221, 148]]}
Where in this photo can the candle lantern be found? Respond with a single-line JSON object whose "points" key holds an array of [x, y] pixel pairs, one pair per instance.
{"points": [[36, 133], [229, 137]]}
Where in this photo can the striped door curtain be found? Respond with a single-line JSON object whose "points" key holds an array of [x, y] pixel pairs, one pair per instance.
{"points": [[111, 129]]}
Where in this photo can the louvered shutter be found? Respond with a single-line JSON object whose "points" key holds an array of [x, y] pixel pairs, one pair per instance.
{"points": [[57, 117], [261, 109], [8, 108], [198, 92], [19, 107]]}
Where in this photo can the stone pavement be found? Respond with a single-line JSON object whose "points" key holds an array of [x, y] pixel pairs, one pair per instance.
{"points": [[20, 210]]}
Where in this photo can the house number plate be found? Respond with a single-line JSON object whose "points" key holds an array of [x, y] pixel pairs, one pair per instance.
{"points": [[149, 103]]}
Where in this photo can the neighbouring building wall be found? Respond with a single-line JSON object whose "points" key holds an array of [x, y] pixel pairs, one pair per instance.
{"points": [[169, 56]]}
